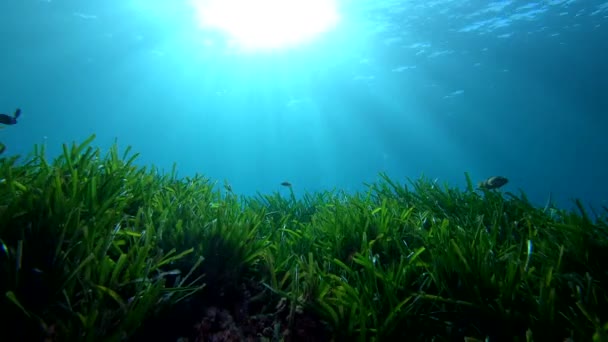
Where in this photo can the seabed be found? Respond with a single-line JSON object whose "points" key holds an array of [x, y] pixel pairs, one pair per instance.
{"points": [[95, 248]]}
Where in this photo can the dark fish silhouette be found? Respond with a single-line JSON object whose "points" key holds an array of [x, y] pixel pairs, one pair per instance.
{"points": [[286, 184], [493, 183], [10, 120]]}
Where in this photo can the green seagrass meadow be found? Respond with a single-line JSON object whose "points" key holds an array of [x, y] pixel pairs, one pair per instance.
{"points": [[96, 248]]}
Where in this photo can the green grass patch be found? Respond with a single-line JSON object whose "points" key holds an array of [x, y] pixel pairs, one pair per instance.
{"points": [[92, 247]]}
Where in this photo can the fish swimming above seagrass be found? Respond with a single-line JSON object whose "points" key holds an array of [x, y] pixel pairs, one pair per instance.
{"points": [[8, 119], [287, 184], [494, 182]]}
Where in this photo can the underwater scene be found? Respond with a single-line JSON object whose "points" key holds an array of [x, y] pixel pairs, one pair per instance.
{"points": [[304, 170]]}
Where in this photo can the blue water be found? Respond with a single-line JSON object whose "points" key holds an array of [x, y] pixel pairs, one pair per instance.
{"points": [[411, 88]]}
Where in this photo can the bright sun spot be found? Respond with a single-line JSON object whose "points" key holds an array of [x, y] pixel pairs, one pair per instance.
{"points": [[267, 24]]}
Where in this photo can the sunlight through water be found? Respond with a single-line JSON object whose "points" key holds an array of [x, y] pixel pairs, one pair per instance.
{"points": [[267, 24]]}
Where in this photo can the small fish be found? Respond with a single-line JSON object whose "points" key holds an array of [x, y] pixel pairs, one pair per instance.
{"points": [[493, 183], [227, 186], [10, 120], [287, 184]]}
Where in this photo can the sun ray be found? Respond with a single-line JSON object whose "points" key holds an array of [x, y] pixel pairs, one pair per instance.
{"points": [[267, 24]]}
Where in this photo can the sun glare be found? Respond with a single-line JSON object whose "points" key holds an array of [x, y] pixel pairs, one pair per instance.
{"points": [[267, 24]]}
